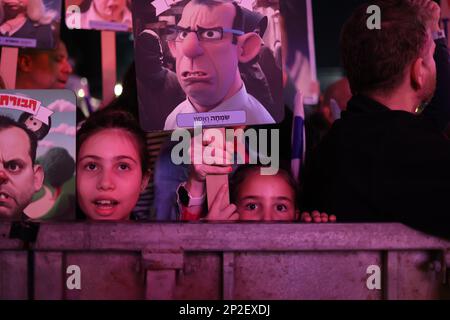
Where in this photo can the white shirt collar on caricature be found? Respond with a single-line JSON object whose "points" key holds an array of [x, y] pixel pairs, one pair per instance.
{"points": [[236, 102]]}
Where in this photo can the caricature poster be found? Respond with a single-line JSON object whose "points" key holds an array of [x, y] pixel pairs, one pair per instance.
{"points": [[50, 115], [99, 15], [30, 24], [216, 70]]}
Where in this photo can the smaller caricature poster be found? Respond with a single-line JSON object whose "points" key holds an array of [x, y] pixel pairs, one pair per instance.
{"points": [[30, 23], [50, 116], [206, 63], [99, 15]]}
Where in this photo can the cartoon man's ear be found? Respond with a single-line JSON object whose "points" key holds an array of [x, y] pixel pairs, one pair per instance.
{"points": [[249, 46], [38, 177]]}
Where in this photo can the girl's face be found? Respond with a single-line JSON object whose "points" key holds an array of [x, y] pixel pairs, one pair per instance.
{"points": [[268, 198], [109, 175]]}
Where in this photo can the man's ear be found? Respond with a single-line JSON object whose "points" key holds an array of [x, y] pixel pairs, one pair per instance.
{"points": [[417, 74], [249, 46], [172, 48], [145, 180], [38, 177], [24, 63]]}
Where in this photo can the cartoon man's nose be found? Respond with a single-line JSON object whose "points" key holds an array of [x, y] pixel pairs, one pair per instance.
{"points": [[191, 46], [3, 176], [105, 182]]}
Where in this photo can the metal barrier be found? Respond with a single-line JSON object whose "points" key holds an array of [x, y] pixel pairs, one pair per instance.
{"points": [[224, 261]]}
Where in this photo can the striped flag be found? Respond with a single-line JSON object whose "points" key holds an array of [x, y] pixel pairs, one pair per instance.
{"points": [[298, 137]]}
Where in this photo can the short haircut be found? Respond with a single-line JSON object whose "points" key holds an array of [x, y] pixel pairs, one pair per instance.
{"points": [[7, 122], [376, 60], [115, 119], [244, 171]]}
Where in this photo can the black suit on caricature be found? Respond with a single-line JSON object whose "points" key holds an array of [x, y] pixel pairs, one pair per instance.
{"points": [[42, 33]]}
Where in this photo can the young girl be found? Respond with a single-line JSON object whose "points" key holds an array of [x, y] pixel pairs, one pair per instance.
{"points": [[112, 165], [262, 198]]}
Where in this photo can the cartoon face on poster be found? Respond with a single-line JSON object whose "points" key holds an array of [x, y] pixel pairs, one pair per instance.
{"points": [[300, 61], [30, 23], [37, 147], [205, 62], [107, 15]]}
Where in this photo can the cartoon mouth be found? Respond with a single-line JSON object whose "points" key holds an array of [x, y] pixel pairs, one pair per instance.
{"points": [[193, 74]]}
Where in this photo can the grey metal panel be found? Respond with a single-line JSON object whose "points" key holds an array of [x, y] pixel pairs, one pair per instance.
{"points": [[233, 237], [13, 275], [305, 275], [226, 261], [48, 276], [107, 275]]}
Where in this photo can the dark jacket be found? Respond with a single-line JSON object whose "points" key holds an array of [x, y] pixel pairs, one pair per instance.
{"points": [[381, 165]]}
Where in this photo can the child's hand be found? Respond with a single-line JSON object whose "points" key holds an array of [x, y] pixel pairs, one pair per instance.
{"points": [[219, 211], [317, 217]]}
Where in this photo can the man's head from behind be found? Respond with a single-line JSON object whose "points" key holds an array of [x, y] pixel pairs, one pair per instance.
{"points": [[20, 178], [399, 55], [207, 60], [43, 69]]}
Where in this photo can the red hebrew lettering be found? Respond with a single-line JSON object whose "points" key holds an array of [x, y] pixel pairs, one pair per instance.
{"points": [[33, 104], [4, 100]]}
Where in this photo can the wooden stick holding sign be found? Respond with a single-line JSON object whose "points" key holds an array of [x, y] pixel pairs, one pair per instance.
{"points": [[109, 75], [215, 182], [8, 66]]}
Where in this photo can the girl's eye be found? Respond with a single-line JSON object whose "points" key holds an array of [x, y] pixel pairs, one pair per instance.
{"points": [[124, 166], [91, 166], [281, 207], [251, 206]]}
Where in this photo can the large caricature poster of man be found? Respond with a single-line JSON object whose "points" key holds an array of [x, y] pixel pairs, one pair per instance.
{"points": [[198, 61], [30, 23], [43, 159], [300, 61]]}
